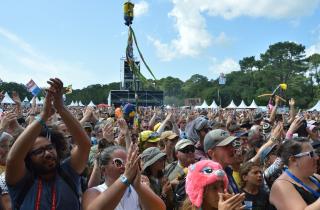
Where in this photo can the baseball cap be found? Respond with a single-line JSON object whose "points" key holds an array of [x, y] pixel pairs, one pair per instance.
{"points": [[217, 138], [149, 136], [168, 135], [182, 144]]}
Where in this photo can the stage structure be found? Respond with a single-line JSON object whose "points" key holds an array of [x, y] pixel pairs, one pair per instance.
{"points": [[131, 90], [145, 97]]}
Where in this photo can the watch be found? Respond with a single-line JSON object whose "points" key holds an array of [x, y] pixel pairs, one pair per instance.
{"points": [[124, 180]]}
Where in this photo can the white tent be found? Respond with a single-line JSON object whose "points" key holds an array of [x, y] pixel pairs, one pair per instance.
{"points": [[213, 105], [253, 105], [315, 107], [7, 99], [80, 103], [37, 100], [41, 102], [204, 105], [77, 103], [242, 105], [26, 100], [231, 105], [91, 104], [71, 104]]}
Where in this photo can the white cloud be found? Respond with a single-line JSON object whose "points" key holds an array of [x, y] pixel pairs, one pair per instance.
{"points": [[193, 37], [28, 63], [226, 66], [315, 48], [141, 8], [277, 9]]}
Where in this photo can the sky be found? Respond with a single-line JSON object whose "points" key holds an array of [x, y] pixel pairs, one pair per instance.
{"points": [[82, 42]]}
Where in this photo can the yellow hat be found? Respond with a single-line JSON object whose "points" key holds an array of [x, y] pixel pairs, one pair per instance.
{"points": [[149, 136], [157, 126]]}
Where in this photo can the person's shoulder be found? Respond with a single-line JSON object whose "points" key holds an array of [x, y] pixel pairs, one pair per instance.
{"points": [[171, 165], [92, 191], [88, 196], [282, 184]]}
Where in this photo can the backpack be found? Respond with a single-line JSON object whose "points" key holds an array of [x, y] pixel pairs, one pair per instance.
{"points": [[65, 177]]}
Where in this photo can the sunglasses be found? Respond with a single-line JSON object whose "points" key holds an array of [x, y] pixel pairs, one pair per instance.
{"points": [[41, 151], [311, 154], [118, 162], [187, 150]]}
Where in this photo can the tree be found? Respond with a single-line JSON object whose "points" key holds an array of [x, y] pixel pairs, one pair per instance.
{"points": [[314, 67], [193, 86], [284, 59]]}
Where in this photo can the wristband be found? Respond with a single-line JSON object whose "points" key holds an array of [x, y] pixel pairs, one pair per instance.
{"points": [[40, 121], [124, 180]]}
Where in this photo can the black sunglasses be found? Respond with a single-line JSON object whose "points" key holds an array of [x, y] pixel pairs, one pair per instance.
{"points": [[188, 149], [40, 151]]}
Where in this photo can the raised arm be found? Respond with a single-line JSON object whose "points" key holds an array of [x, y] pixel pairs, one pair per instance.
{"points": [[16, 168], [274, 110], [292, 102], [124, 130], [79, 153], [147, 198], [274, 138]]}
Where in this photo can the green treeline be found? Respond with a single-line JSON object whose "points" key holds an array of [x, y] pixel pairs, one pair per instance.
{"points": [[283, 62]]}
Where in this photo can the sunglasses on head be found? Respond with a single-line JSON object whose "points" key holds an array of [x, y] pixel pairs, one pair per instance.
{"points": [[118, 162], [311, 154], [187, 149]]}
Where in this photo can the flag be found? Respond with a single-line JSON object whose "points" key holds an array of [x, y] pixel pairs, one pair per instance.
{"points": [[68, 89], [222, 79], [33, 88]]}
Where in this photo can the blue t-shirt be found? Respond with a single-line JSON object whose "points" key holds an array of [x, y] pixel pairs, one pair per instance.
{"points": [[65, 196]]}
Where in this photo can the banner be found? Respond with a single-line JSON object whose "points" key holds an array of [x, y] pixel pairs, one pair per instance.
{"points": [[222, 79]]}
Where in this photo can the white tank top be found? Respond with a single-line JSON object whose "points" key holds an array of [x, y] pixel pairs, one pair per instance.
{"points": [[129, 200]]}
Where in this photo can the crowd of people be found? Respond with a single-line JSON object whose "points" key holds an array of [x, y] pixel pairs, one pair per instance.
{"points": [[58, 157]]}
